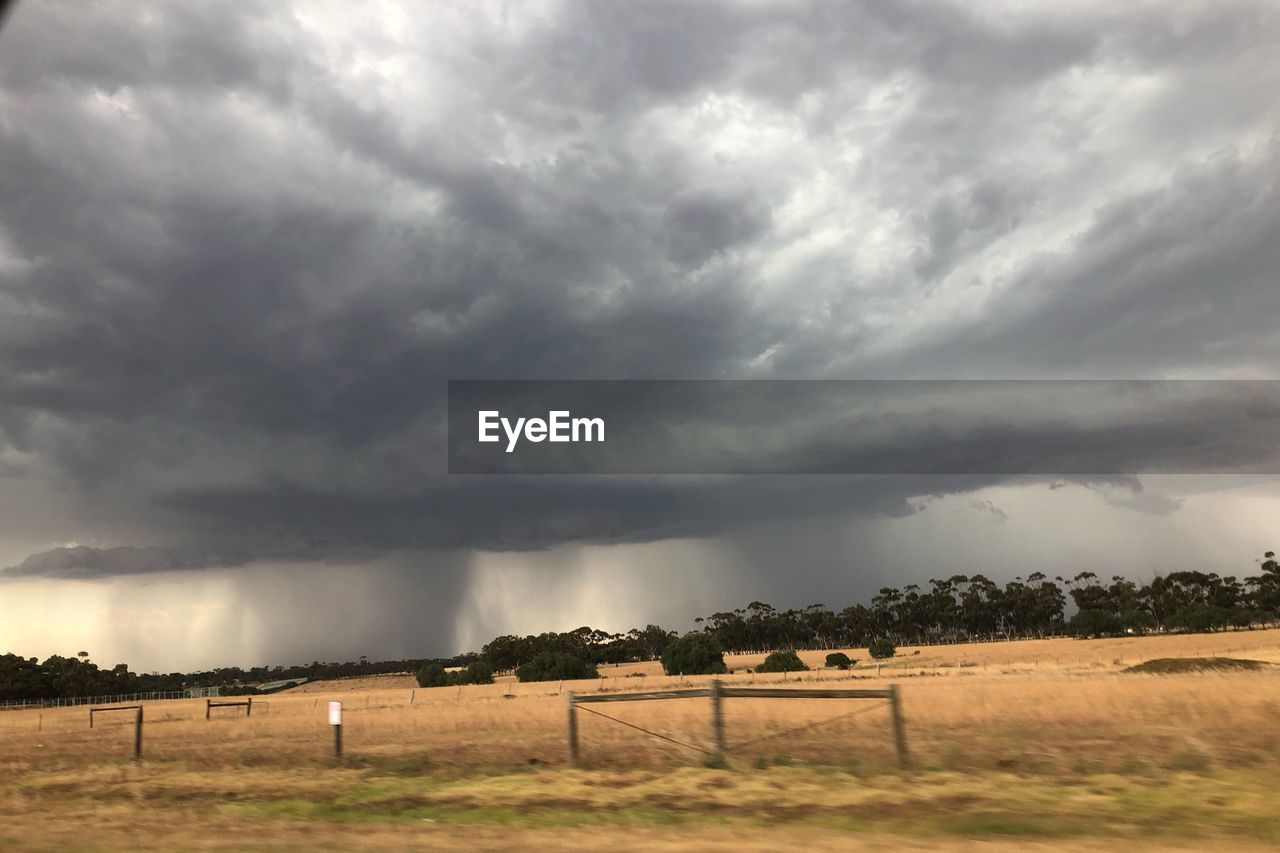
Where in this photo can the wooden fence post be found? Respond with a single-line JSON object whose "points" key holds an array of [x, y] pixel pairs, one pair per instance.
{"points": [[137, 734], [899, 733], [573, 729], [208, 705], [248, 708], [717, 721]]}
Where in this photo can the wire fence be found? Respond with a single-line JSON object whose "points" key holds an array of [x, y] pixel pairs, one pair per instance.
{"points": [[75, 701], [717, 692]]}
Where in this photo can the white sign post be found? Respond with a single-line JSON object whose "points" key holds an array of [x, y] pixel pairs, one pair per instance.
{"points": [[335, 720]]}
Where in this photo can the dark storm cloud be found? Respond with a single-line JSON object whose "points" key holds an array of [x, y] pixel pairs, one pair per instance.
{"points": [[241, 250], [83, 562], [1189, 273]]}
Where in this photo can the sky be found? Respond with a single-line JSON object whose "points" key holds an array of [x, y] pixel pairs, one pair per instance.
{"points": [[244, 247]]}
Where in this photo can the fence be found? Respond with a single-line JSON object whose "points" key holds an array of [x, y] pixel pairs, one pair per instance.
{"points": [[76, 701], [718, 693], [247, 704], [137, 723]]}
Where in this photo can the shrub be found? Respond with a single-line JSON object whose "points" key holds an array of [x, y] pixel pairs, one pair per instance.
{"points": [[556, 666], [693, 654], [787, 661], [432, 675], [881, 648], [839, 660]]}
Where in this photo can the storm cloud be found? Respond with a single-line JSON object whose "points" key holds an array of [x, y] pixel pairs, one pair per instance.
{"points": [[242, 250]]}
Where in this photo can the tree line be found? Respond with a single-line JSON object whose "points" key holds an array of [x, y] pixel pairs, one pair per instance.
{"points": [[57, 677], [958, 609]]}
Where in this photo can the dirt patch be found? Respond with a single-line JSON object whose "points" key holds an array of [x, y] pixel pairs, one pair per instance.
{"points": [[1174, 666]]}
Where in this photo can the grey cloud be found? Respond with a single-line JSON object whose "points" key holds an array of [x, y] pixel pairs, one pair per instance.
{"points": [[989, 508], [538, 513], [1131, 493], [86, 563], [1178, 276], [240, 254], [704, 224]]}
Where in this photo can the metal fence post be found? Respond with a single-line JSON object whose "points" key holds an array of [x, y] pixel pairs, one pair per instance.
{"points": [[573, 729], [899, 733]]}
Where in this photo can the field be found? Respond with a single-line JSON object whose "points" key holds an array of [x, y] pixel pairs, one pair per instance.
{"points": [[1012, 745]]}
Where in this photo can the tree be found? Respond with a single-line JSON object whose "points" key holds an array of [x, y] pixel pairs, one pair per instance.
{"points": [[556, 666], [693, 654], [651, 641], [881, 648], [476, 672], [1200, 617], [432, 675], [785, 661], [839, 660], [1094, 623], [505, 653]]}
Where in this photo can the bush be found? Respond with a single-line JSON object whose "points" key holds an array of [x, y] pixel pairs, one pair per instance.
{"points": [[693, 654], [882, 648], [432, 675], [839, 660], [787, 661], [556, 666]]}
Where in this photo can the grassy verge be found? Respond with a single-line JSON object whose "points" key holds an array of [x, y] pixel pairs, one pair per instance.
{"points": [[275, 806]]}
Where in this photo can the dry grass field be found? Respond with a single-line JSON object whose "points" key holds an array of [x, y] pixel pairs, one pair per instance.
{"points": [[1038, 741]]}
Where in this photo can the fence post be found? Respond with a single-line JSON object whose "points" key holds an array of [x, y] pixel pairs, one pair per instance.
{"points": [[899, 734], [137, 734], [248, 709], [717, 720], [335, 722], [208, 706], [573, 729]]}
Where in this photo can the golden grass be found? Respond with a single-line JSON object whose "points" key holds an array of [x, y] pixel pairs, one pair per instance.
{"points": [[1006, 711], [1031, 716]]}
